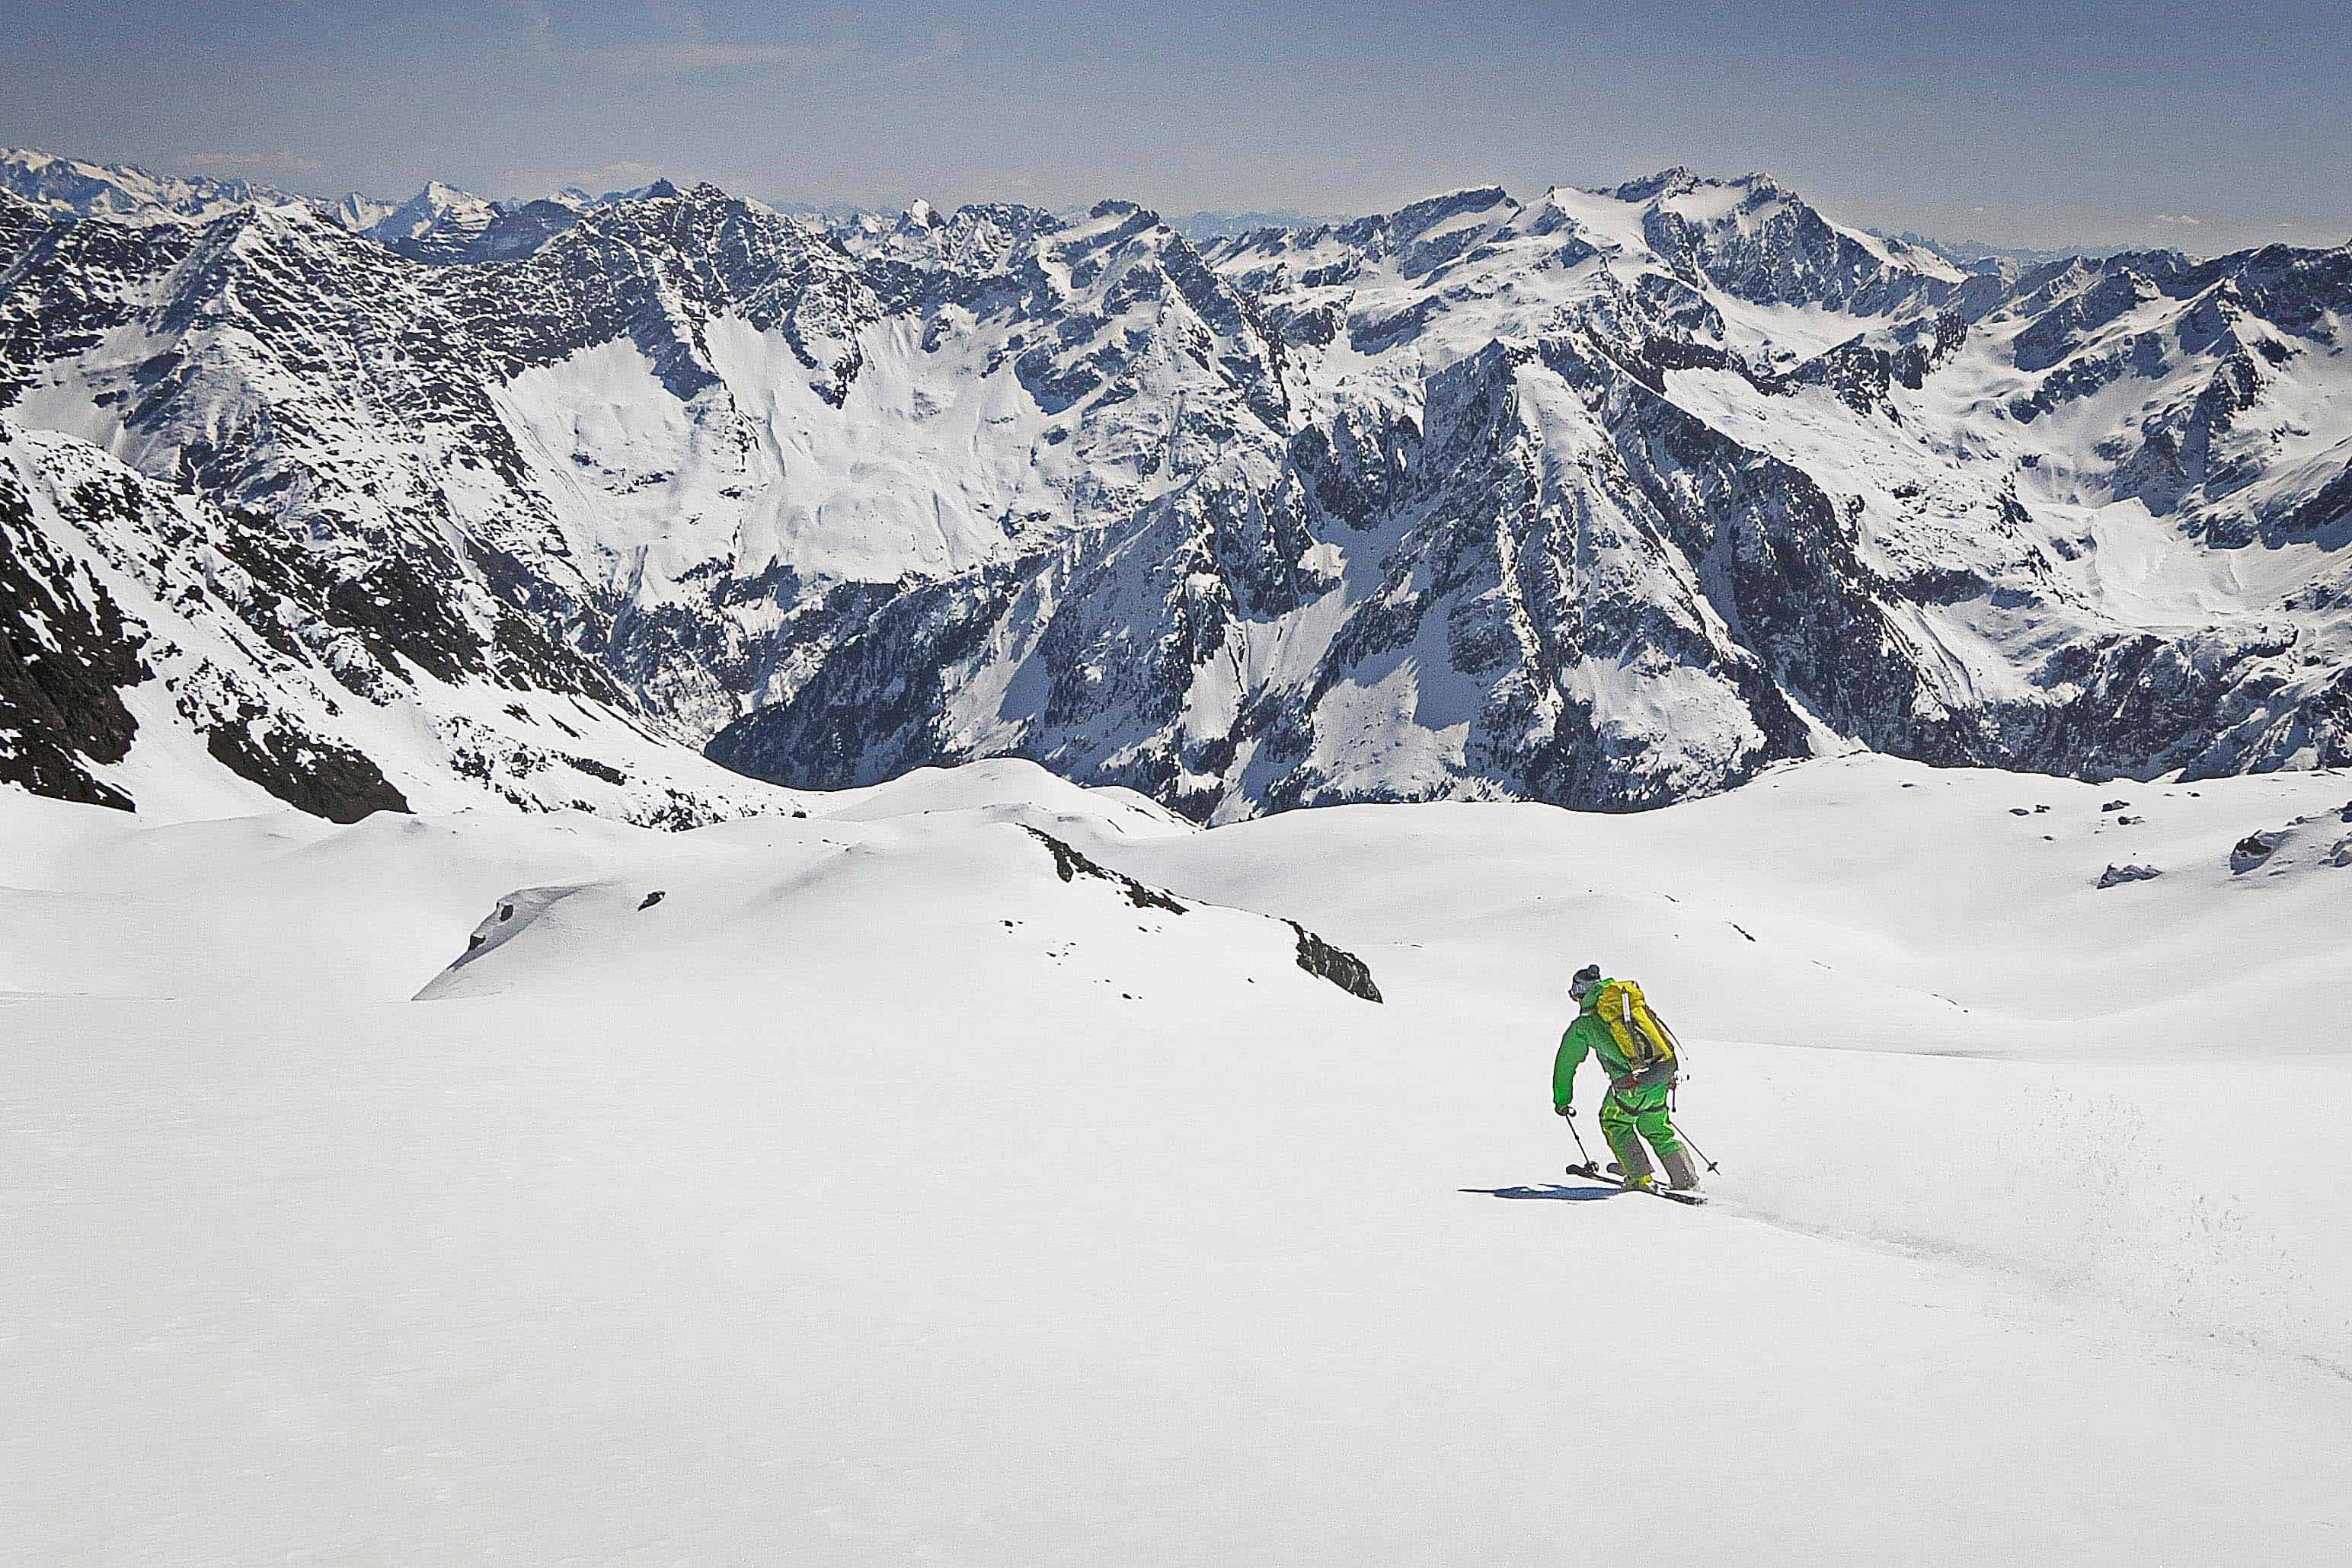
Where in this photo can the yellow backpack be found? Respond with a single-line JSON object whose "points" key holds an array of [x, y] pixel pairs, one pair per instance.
{"points": [[1642, 1039]]}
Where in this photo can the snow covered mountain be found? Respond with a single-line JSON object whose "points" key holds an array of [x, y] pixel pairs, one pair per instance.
{"points": [[443, 225], [124, 193], [439, 223], [158, 650], [1604, 498]]}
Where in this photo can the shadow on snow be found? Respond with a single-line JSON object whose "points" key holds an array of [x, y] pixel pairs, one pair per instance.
{"points": [[1551, 1190]]}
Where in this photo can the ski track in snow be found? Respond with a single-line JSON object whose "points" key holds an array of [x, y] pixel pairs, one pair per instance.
{"points": [[2054, 1283]]}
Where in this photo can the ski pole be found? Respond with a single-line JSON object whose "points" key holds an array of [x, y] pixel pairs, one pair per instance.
{"points": [[1687, 1138], [1585, 1157]]}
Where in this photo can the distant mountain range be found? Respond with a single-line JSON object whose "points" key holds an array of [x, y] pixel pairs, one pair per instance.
{"points": [[1606, 498], [1975, 254], [439, 224]]}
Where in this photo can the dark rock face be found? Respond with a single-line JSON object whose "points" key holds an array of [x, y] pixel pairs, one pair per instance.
{"points": [[1070, 865], [310, 775], [2116, 876], [1315, 955], [65, 656], [1342, 968], [1606, 499]]}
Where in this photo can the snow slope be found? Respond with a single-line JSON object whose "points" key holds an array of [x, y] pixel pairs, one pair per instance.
{"points": [[878, 1195]]}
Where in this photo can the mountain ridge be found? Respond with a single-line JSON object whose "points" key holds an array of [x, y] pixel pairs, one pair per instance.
{"points": [[1604, 497]]}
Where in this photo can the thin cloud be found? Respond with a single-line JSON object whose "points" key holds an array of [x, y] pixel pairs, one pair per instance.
{"points": [[280, 163], [2178, 219], [683, 56], [684, 44]]}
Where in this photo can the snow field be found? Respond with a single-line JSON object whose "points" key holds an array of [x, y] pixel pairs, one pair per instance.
{"points": [[813, 1214]]}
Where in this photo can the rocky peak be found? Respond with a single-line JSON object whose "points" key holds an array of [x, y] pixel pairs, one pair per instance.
{"points": [[1674, 182], [1608, 499], [438, 223]]}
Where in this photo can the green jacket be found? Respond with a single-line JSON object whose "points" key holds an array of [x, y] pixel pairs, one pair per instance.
{"points": [[1587, 1034]]}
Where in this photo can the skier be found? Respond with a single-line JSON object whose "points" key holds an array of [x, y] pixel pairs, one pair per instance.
{"points": [[1613, 1023]]}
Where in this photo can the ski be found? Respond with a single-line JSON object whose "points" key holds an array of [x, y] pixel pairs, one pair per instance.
{"points": [[1589, 1174]]}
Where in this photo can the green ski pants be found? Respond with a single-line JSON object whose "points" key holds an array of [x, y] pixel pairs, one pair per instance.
{"points": [[1627, 1111]]}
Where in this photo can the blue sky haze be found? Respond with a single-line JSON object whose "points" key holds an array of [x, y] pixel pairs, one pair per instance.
{"points": [[2067, 124]]}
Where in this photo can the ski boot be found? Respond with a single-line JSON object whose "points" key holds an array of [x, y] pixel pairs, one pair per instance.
{"points": [[1635, 1178]]}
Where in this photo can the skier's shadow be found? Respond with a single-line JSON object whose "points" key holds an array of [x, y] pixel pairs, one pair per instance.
{"points": [[1551, 1190]]}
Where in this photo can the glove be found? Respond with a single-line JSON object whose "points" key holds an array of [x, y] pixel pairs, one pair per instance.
{"points": [[1568, 1110]]}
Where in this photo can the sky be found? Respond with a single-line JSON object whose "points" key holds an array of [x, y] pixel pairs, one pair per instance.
{"points": [[2070, 123]]}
